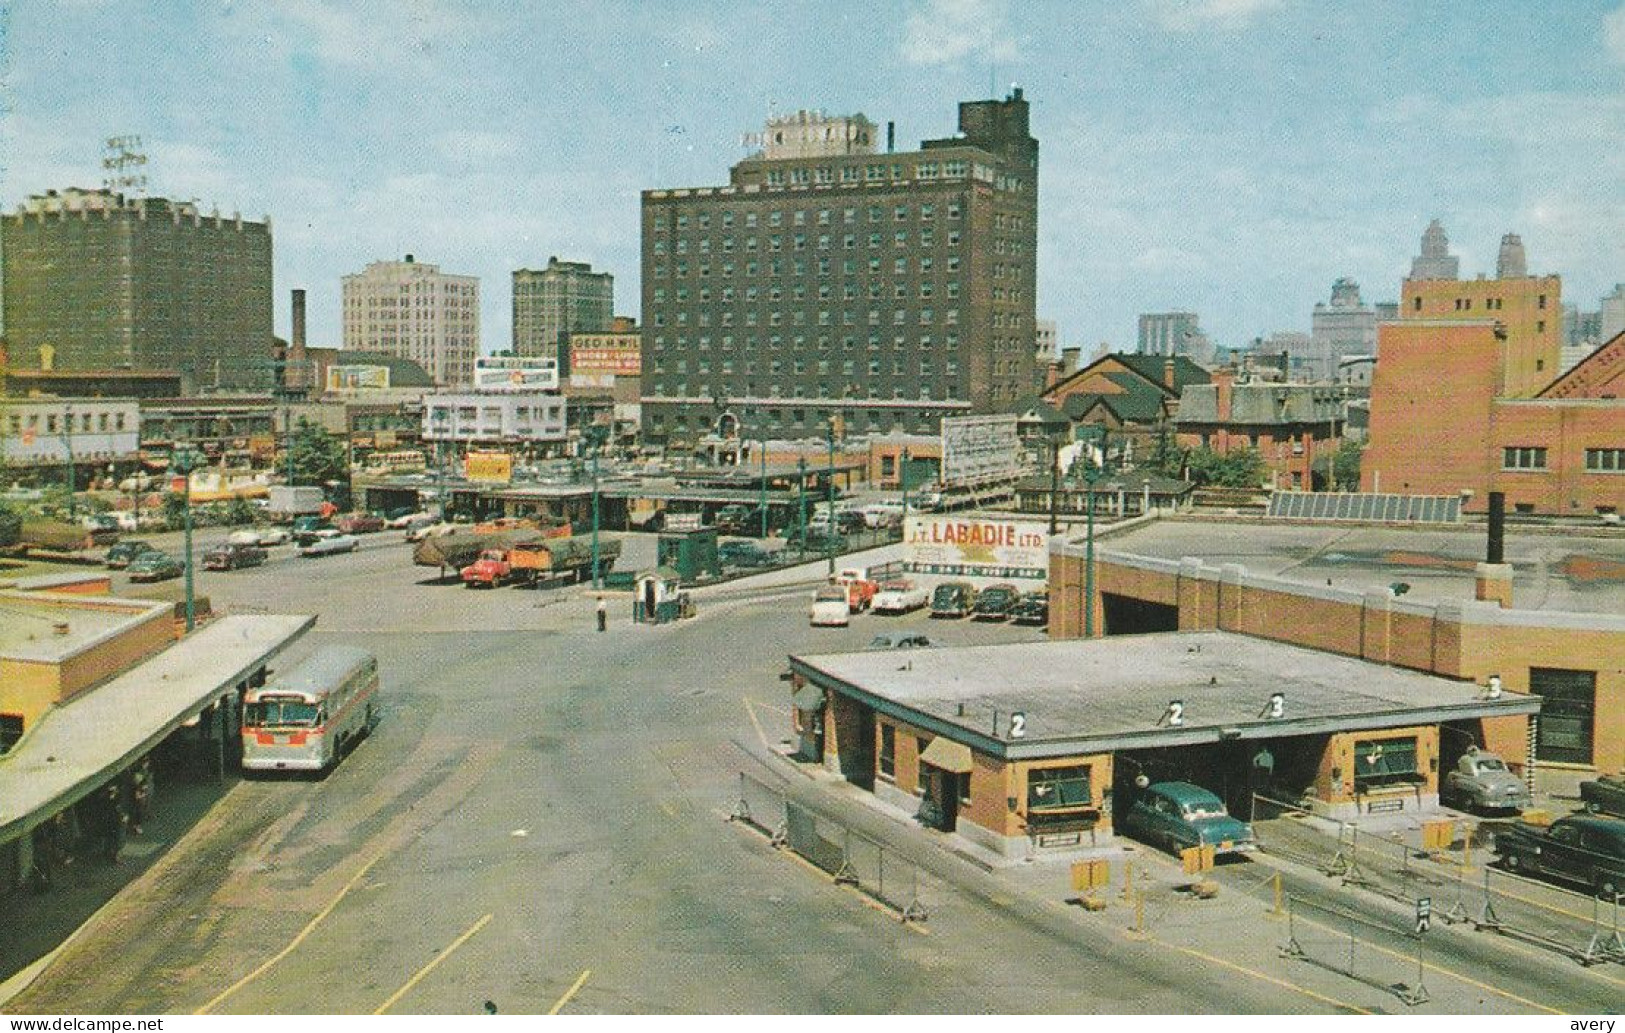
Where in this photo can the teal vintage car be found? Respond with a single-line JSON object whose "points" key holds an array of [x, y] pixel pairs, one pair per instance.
{"points": [[1178, 815]]}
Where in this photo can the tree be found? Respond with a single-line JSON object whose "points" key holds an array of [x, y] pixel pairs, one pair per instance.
{"points": [[317, 456], [1346, 466], [11, 526], [1241, 468], [174, 508], [239, 511], [1166, 458]]}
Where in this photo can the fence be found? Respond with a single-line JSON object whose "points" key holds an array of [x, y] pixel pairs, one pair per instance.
{"points": [[1577, 925], [1329, 938], [850, 858]]}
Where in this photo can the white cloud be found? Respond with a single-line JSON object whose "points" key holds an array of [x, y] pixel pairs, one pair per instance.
{"points": [[1613, 34], [1192, 15], [940, 32]]}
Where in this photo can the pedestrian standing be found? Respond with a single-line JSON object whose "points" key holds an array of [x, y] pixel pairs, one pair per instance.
{"points": [[110, 818], [140, 795], [603, 615]]}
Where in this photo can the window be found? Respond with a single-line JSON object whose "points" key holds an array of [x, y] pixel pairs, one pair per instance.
{"points": [[1605, 460], [1053, 789], [1384, 762], [1568, 710], [11, 730], [1523, 458]]}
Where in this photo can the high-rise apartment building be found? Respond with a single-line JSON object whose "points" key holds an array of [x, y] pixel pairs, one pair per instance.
{"points": [[1343, 328], [551, 304], [1174, 333], [98, 281], [828, 278], [1528, 311], [414, 311]]}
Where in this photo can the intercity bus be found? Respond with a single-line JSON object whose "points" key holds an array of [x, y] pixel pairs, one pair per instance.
{"points": [[306, 719]]}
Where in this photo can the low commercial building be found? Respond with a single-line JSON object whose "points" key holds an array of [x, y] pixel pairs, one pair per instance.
{"points": [[51, 432], [515, 402], [1023, 747], [1295, 428]]}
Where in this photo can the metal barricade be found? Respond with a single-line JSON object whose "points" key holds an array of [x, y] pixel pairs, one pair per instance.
{"points": [[762, 807], [1330, 938]]}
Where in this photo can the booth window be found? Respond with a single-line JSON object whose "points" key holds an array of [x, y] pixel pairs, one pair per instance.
{"points": [[11, 731], [1058, 790], [888, 751], [1384, 762]]}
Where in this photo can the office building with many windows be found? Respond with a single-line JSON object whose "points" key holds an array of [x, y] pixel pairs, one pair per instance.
{"points": [[412, 310], [888, 289], [551, 304]]}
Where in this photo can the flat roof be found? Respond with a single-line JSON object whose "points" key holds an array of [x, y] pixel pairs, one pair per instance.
{"points": [[29, 622], [1096, 695], [77, 746]]}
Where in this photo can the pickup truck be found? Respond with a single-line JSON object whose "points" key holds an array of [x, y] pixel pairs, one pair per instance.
{"points": [[490, 570], [1581, 848], [860, 591], [1482, 781]]}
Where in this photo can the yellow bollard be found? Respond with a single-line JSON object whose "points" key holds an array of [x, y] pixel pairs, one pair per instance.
{"points": [[1280, 898], [1139, 914], [1128, 880]]}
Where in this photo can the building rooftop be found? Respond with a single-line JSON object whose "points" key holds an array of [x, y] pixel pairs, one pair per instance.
{"points": [[1114, 693], [50, 628]]}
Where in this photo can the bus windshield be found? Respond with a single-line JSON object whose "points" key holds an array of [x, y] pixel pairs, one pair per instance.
{"points": [[280, 713]]}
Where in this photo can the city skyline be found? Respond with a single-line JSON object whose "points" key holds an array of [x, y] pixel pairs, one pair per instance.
{"points": [[485, 142]]}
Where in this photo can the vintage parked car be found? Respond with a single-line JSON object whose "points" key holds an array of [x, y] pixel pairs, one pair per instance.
{"points": [[123, 553], [743, 554], [233, 555], [1032, 609], [900, 596], [270, 536], [953, 599], [1581, 848], [1605, 795], [1177, 815], [1482, 781], [995, 602], [400, 519], [421, 529], [246, 536], [830, 608], [327, 545], [900, 640], [307, 529], [155, 566], [360, 523]]}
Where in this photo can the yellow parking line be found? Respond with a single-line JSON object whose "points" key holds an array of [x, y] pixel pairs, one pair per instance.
{"points": [[1266, 977], [581, 981], [751, 710], [426, 969], [297, 940]]}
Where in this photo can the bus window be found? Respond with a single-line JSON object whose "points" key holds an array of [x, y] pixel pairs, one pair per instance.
{"points": [[281, 713]]}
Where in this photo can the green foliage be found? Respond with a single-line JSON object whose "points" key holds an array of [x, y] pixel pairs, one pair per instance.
{"points": [[174, 509], [239, 511], [11, 526], [318, 457], [1166, 458], [1241, 468], [1346, 466]]}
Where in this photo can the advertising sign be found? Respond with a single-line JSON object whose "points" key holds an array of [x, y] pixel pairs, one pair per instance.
{"points": [[515, 374], [970, 547], [616, 354], [488, 467], [358, 378], [979, 449]]}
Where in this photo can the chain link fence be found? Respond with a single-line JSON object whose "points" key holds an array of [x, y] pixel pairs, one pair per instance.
{"points": [[1341, 941]]}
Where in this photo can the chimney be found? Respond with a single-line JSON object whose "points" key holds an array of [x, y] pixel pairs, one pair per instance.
{"points": [[294, 374], [1223, 381], [891, 137], [1071, 359], [1053, 373], [408, 259], [1492, 579], [1168, 373]]}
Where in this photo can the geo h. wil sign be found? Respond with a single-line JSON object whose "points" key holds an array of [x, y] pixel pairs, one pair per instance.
{"points": [[968, 547]]}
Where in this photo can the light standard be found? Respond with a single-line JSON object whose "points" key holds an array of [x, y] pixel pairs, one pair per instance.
{"points": [[829, 495], [801, 502], [902, 477], [595, 439], [764, 487], [1093, 471], [183, 461], [67, 447]]}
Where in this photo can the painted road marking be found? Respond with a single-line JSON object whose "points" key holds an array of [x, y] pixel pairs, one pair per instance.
{"points": [[1256, 974], [425, 970], [297, 940], [581, 981], [760, 734]]}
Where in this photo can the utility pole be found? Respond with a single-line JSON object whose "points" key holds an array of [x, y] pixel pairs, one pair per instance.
{"points": [[829, 495], [595, 443]]}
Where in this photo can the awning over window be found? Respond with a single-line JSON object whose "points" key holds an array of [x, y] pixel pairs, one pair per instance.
{"points": [[809, 698], [947, 755]]}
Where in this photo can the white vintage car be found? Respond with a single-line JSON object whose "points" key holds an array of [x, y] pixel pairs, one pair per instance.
{"points": [[830, 608], [900, 596]]}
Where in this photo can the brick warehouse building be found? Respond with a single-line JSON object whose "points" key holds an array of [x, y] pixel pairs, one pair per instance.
{"points": [[828, 278], [98, 281]]}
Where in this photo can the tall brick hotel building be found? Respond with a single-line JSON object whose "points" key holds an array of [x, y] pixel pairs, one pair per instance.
{"points": [[831, 278], [1467, 399]]}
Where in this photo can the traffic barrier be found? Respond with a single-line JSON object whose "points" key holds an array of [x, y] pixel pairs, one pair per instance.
{"points": [[761, 807], [1330, 938], [852, 859]]}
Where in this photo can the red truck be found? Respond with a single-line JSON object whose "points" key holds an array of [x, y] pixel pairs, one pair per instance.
{"points": [[489, 571], [860, 590]]}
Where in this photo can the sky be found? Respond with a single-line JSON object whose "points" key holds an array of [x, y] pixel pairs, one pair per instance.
{"points": [[1230, 157]]}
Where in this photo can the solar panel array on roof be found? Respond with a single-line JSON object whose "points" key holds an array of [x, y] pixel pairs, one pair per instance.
{"points": [[1348, 505]]}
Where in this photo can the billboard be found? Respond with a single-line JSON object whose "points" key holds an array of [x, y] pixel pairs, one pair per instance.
{"points": [[488, 467], [979, 449], [619, 355], [494, 373], [358, 378], [965, 546]]}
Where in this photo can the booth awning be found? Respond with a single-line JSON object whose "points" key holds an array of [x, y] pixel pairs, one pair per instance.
{"points": [[809, 698], [947, 755]]}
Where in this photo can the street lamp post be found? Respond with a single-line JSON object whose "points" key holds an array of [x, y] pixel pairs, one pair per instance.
{"points": [[829, 496], [595, 445], [1092, 473], [764, 485], [184, 461], [902, 477], [67, 446], [1054, 482], [801, 502]]}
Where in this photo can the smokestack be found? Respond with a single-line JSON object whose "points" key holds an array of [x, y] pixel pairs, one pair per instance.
{"points": [[1071, 358], [1496, 552], [891, 137], [1168, 373], [294, 374]]}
